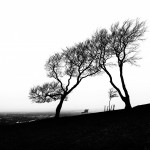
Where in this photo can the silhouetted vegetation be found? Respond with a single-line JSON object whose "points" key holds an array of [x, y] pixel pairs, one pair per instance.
{"points": [[68, 69], [112, 93], [90, 58], [115, 130], [119, 45]]}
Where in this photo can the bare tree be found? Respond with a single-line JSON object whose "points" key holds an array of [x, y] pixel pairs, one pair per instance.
{"points": [[68, 69], [122, 44], [112, 93]]}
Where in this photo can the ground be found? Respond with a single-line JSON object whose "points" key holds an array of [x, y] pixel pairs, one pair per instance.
{"points": [[117, 130]]}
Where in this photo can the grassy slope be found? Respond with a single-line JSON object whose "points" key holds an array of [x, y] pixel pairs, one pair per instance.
{"points": [[109, 130]]}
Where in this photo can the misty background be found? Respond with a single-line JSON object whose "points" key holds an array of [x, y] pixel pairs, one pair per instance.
{"points": [[33, 30]]}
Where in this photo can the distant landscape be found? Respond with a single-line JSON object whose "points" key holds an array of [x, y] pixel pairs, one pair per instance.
{"points": [[11, 118], [24, 117]]}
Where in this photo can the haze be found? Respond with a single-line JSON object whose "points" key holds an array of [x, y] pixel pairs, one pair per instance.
{"points": [[33, 30]]}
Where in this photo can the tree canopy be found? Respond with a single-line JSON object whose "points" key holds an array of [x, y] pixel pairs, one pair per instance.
{"points": [[68, 69], [121, 43], [90, 58]]}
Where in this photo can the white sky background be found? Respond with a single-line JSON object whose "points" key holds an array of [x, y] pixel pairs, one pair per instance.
{"points": [[33, 30]]}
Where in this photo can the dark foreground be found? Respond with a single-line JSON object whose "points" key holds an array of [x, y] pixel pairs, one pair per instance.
{"points": [[116, 130]]}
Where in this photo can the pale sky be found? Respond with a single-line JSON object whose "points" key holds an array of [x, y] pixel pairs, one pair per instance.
{"points": [[33, 30]]}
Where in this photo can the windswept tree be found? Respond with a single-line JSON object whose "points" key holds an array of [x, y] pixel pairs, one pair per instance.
{"points": [[112, 93], [122, 44], [68, 69]]}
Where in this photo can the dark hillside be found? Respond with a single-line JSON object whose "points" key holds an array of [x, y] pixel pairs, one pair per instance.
{"points": [[108, 130]]}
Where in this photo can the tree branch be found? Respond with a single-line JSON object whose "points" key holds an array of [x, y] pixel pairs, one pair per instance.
{"points": [[69, 81], [112, 83], [57, 78]]}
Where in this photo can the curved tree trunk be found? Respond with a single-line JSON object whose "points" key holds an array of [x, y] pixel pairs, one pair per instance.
{"points": [[58, 109], [126, 99]]}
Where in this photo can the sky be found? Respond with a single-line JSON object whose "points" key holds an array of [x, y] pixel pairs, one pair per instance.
{"points": [[33, 30]]}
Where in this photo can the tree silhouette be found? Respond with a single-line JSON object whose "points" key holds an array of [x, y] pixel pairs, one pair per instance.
{"points": [[68, 69], [112, 93], [122, 44], [46, 93]]}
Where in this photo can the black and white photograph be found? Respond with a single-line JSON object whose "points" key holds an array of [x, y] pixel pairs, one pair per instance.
{"points": [[74, 75]]}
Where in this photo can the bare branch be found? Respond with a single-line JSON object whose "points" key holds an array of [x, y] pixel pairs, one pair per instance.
{"points": [[82, 60], [124, 39], [69, 81], [54, 68], [46, 93]]}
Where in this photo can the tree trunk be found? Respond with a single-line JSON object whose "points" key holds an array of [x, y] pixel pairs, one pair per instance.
{"points": [[127, 103], [126, 99], [58, 109]]}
